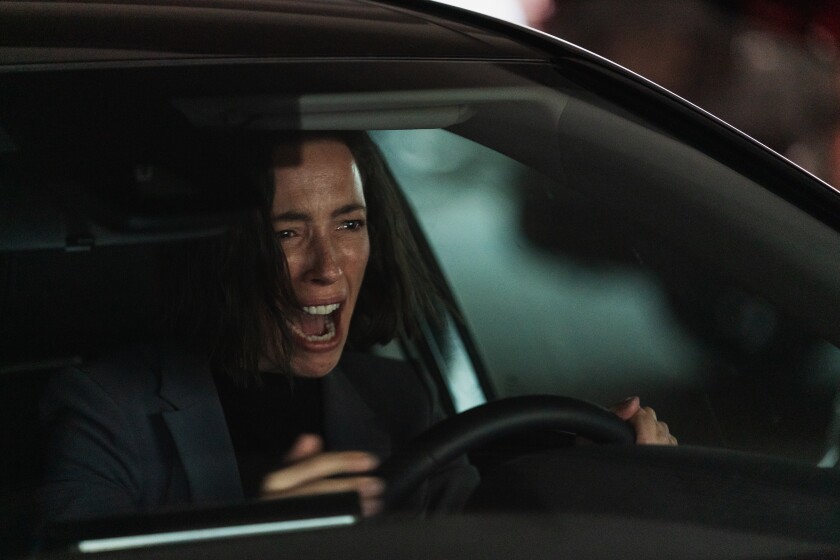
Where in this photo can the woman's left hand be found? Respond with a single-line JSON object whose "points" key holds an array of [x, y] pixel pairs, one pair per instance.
{"points": [[649, 430]]}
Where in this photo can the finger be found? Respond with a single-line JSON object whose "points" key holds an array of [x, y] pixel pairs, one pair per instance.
{"points": [[367, 487], [646, 427], [370, 507], [626, 408], [665, 437], [369, 490], [318, 467], [306, 445], [663, 433], [650, 431]]}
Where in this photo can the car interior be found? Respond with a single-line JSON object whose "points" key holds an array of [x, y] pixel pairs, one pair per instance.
{"points": [[94, 185]]}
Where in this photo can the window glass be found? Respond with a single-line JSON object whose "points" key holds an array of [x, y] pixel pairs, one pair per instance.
{"points": [[559, 302]]}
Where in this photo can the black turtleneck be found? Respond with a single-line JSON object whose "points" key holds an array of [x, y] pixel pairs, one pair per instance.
{"points": [[264, 419]]}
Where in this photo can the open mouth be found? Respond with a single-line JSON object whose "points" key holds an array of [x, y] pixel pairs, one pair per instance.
{"points": [[316, 323]]}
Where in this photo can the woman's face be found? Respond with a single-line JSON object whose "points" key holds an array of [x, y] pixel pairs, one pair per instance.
{"points": [[320, 220]]}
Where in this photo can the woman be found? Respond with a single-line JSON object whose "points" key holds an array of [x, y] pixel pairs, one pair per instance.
{"points": [[261, 395]]}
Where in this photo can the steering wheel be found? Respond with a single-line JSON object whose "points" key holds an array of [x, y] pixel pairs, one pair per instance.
{"points": [[449, 439]]}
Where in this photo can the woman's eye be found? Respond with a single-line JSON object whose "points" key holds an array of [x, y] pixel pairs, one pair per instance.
{"points": [[353, 224], [284, 234]]}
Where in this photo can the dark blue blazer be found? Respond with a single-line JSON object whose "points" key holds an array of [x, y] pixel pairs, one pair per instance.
{"points": [[144, 429]]}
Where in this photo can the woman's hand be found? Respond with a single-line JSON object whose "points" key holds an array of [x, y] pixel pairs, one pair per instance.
{"points": [[310, 471], [649, 430]]}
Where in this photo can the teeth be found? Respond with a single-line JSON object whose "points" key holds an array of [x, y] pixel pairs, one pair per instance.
{"points": [[317, 338], [321, 309]]}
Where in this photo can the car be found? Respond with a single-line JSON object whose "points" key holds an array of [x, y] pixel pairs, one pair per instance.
{"points": [[595, 237]]}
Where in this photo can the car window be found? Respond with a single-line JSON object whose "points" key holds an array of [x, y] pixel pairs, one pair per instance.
{"points": [[564, 296]]}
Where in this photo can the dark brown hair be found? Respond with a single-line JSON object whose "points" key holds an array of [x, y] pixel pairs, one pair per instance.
{"points": [[226, 298]]}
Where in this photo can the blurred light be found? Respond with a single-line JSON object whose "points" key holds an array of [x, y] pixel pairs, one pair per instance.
{"points": [[508, 10], [177, 537]]}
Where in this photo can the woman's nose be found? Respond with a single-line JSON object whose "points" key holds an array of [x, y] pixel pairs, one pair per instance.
{"points": [[323, 262]]}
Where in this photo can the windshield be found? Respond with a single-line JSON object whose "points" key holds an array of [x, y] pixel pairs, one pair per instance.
{"points": [[480, 230]]}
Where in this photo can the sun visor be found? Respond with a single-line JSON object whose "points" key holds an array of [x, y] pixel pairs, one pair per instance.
{"points": [[385, 110]]}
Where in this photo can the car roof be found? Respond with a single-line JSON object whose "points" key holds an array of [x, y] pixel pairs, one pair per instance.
{"points": [[39, 32]]}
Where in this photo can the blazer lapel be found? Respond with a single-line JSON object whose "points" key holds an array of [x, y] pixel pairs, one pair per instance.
{"points": [[350, 422], [197, 425]]}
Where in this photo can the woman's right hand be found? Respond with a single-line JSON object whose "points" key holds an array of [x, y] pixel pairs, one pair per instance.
{"points": [[310, 471]]}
